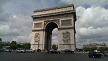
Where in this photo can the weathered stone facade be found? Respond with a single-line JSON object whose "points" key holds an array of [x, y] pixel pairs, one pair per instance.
{"points": [[45, 20]]}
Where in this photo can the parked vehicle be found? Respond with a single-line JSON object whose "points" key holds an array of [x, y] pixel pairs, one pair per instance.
{"points": [[1, 50], [7, 49], [29, 50], [68, 51], [95, 54], [20, 50], [105, 53], [38, 50], [53, 51]]}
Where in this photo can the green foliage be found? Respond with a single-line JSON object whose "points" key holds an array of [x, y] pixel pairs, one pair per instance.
{"points": [[94, 48], [102, 49], [13, 42], [86, 49], [13, 45], [55, 47], [90, 49], [1, 45], [26, 45], [19, 46]]}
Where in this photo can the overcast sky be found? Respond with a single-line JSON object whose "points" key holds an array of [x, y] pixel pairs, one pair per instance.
{"points": [[91, 25]]}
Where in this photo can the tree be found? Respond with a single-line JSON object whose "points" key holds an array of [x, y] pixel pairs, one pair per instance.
{"points": [[13, 42], [86, 48], [94, 48], [1, 45], [102, 49], [13, 45], [26, 45], [0, 40], [19, 46]]}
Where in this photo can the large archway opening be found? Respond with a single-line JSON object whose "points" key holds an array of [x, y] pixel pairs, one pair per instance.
{"points": [[48, 35], [55, 36]]}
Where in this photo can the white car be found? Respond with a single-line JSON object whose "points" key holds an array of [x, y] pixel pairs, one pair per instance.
{"points": [[20, 50], [29, 50]]}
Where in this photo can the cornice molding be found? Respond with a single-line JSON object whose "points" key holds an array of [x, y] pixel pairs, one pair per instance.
{"points": [[52, 8], [52, 14], [54, 11]]}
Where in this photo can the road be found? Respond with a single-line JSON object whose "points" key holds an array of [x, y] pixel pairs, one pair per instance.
{"points": [[4, 56]]}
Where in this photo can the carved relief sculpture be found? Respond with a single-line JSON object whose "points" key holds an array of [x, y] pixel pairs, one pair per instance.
{"points": [[38, 25], [66, 37], [37, 37], [67, 22]]}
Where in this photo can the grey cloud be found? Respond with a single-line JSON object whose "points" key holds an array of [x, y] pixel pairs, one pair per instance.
{"points": [[55, 32], [17, 16], [92, 25], [3, 15], [22, 39], [86, 2], [6, 31]]}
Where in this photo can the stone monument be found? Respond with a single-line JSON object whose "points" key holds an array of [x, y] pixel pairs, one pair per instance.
{"points": [[45, 20]]}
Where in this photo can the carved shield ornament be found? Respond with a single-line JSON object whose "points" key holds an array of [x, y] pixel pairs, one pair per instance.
{"points": [[37, 37], [66, 37]]}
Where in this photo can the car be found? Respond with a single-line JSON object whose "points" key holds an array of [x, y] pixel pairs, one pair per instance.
{"points": [[68, 51], [95, 54], [38, 50], [105, 53], [1, 50], [7, 50], [20, 50], [29, 51], [53, 51]]}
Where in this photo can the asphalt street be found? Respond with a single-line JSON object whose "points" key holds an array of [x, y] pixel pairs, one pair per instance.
{"points": [[4, 56]]}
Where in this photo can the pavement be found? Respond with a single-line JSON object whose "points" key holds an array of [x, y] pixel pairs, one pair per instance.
{"points": [[43, 56]]}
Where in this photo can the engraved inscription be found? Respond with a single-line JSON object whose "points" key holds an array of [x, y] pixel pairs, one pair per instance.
{"points": [[38, 25], [36, 37], [66, 37], [67, 22]]}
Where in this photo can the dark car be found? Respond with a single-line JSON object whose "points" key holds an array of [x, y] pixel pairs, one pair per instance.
{"points": [[68, 51], [53, 51], [1, 50], [38, 50], [95, 54]]}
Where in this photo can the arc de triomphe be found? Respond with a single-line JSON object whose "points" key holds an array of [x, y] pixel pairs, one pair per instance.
{"points": [[45, 20]]}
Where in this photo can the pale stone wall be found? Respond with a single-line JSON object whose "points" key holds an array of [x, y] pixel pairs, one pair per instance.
{"points": [[72, 40], [67, 18], [34, 45]]}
